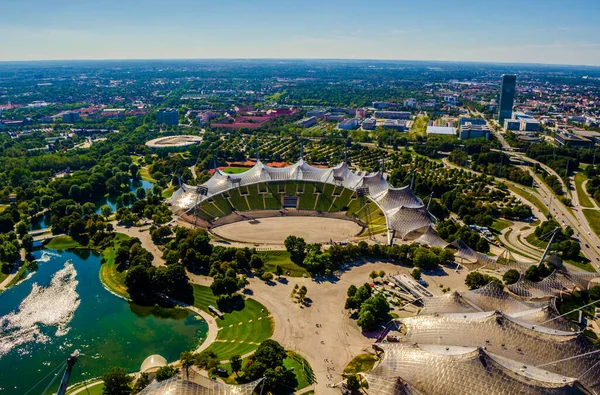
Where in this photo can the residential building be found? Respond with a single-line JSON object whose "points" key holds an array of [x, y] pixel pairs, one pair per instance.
{"points": [[441, 130], [470, 131], [507, 97], [392, 114], [71, 117], [512, 124], [307, 122], [168, 116], [348, 124], [369, 124], [566, 139], [396, 124]]}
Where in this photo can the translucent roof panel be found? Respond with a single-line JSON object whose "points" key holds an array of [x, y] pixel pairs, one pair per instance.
{"points": [[461, 370], [509, 338]]}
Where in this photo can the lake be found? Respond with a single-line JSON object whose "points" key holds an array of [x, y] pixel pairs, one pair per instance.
{"points": [[133, 186], [63, 307]]}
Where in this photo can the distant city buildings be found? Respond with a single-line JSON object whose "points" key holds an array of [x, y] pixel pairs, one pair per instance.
{"points": [[392, 114], [410, 103], [566, 139], [470, 131], [396, 124], [512, 124], [380, 105], [441, 130], [348, 124], [316, 113], [335, 117], [71, 117], [507, 97], [473, 121], [529, 125], [307, 122], [167, 116], [369, 124]]}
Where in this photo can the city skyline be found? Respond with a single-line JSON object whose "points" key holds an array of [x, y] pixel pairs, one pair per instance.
{"points": [[548, 32]]}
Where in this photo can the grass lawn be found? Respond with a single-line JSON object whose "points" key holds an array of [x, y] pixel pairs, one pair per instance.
{"points": [[234, 170], [500, 224], [584, 199], [222, 204], [110, 276], [529, 197], [62, 243], [255, 199], [593, 218], [361, 363], [581, 261], [92, 389], [241, 330], [18, 277], [302, 370], [208, 207], [145, 174], [282, 258], [167, 193], [238, 201]]}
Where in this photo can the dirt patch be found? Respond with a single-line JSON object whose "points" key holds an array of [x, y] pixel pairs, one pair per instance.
{"points": [[275, 230]]}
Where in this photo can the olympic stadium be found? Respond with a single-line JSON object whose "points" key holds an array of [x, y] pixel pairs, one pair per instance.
{"points": [[303, 190]]}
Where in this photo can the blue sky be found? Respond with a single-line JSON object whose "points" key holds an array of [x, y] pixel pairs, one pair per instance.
{"points": [[534, 31]]}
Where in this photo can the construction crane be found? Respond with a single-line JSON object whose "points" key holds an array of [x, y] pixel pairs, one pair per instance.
{"points": [[62, 389]]}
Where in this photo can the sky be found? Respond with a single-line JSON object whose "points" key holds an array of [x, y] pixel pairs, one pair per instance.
{"points": [[516, 31]]}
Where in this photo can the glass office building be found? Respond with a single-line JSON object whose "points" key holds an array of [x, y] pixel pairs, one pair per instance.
{"points": [[507, 96]]}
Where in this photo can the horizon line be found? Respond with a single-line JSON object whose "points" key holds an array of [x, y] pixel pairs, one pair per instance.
{"points": [[295, 59]]}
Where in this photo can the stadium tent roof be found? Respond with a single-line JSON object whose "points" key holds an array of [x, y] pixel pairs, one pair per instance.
{"points": [[404, 212], [197, 385], [432, 369], [510, 338]]}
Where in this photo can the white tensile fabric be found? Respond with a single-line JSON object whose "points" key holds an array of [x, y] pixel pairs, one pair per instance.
{"points": [[404, 212]]}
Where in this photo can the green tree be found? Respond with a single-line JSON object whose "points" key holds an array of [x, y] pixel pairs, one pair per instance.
{"points": [[296, 246], [165, 373], [475, 280], [105, 210], [278, 270], [416, 274], [367, 321], [141, 383], [373, 275], [594, 292], [236, 363], [117, 382], [352, 384], [27, 243], [511, 276]]}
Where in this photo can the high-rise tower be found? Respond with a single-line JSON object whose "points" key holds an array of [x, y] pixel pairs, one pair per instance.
{"points": [[507, 97]]}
